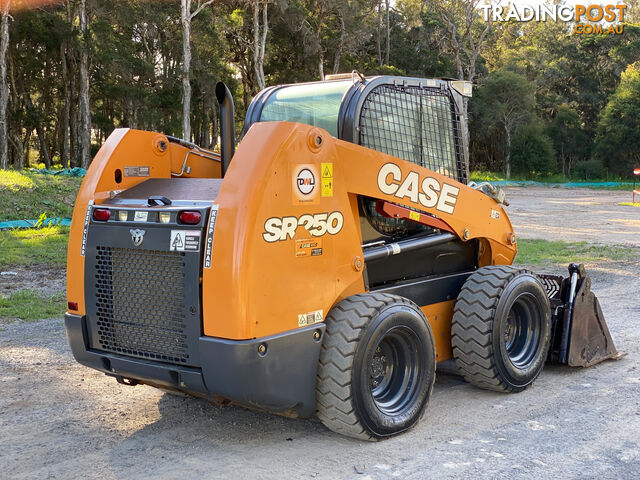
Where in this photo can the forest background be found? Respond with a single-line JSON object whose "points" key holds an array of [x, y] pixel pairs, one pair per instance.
{"points": [[547, 103]]}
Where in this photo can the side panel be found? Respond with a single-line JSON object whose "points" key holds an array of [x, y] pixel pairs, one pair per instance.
{"points": [[258, 284]]}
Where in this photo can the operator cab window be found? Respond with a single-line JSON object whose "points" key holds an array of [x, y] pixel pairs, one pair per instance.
{"points": [[415, 124], [314, 104]]}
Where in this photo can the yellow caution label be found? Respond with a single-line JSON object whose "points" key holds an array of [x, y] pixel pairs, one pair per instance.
{"points": [[326, 172], [414, 215]]}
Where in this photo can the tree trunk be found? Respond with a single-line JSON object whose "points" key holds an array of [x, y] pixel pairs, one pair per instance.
{"points": [[18, 147], [259, 41], [378, 29], [186, 68], [507, 155], [386, 58], [85, 106], [74, 120], [4, 87], [320, 63], [44, 150], [66, 108], [338, 57]]}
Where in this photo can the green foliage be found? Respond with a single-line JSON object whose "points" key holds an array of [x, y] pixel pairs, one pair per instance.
{"points": [[498, 108], [618, 140], [589, 169], [569, 140], [525, 70], [46, 245], [531, 151], [25, 195], [29, 305], [543, 252]]}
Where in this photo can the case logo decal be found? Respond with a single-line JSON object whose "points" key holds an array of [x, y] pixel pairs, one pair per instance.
{"points": [[277, 229], [137, 236], [425, 191]]}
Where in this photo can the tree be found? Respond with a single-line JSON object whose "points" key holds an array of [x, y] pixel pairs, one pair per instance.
{"points": [[466, 35], [186, 17], [503, 104], [618, 138], [85, 101], [4, 87], [259, 41], [569, 141]]}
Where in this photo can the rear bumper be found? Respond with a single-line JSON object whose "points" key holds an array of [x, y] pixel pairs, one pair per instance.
{"points": [[281, 380]]}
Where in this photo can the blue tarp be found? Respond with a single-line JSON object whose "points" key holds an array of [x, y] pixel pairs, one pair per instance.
{"points": [[34, 223], [67, 172], [531, 183]]}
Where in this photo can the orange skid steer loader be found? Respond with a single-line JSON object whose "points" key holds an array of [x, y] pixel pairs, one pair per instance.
{"points": [[325, 267]]}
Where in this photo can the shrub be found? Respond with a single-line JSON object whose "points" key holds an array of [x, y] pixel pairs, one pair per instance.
{"points": [[532, 152]]}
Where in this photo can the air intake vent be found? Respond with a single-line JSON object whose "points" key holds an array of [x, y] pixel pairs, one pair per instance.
{"points": [[139, 300]]}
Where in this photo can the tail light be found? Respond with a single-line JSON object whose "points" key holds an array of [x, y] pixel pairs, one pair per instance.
{"points": [[189, 217], [101, 214], [72, 306]]}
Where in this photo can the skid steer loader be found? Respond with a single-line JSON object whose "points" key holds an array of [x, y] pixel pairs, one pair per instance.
{"points": [[324, 267]]}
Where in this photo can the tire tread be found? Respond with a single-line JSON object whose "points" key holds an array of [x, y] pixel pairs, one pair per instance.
{"points": [[472, 324]]}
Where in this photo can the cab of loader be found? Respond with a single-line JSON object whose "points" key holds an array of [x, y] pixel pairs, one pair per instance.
{"points": [[415, 119]]}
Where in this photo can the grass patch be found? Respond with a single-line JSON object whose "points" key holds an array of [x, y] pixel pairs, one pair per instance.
{"points": [[25, 195], [630, 204], [29, 305], [540, 252], [34, 245]]}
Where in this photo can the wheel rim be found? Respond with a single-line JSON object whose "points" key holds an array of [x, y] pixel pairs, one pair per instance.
{"points": [[522, 331], [395, 370]]}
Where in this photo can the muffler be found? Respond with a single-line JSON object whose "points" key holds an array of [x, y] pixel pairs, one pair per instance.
{"points": [[579, 336]]}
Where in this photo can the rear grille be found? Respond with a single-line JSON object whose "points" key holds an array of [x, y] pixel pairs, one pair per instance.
{"points": [[140, 307]]}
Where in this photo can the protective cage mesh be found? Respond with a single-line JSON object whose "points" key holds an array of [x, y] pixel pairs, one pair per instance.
{"points": [[417, 124], [140, 303]]}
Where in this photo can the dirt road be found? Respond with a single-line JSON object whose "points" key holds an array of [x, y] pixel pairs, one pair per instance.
{"points": [[61, 420], [576, 214]]}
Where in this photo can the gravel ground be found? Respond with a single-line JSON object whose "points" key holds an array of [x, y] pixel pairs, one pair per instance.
{"points": [[61, 420]]}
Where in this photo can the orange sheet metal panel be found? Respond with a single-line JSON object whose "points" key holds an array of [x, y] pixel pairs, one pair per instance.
{"points": [[439, 316], [257, 285]]}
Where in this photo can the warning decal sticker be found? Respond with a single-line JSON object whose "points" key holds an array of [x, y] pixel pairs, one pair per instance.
{"points": [[210, 231], [310, 318], [184, 241], [85, 228], [327, 179]]}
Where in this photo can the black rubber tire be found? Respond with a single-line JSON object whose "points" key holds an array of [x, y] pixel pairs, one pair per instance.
{"points": [[363, 332], [501, 327]]}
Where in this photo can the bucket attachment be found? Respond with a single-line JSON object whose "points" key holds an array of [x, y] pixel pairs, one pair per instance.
{"points": [[579, 336]]}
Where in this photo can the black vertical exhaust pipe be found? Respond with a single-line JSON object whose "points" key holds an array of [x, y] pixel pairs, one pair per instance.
{"points": [[227, 130]]}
